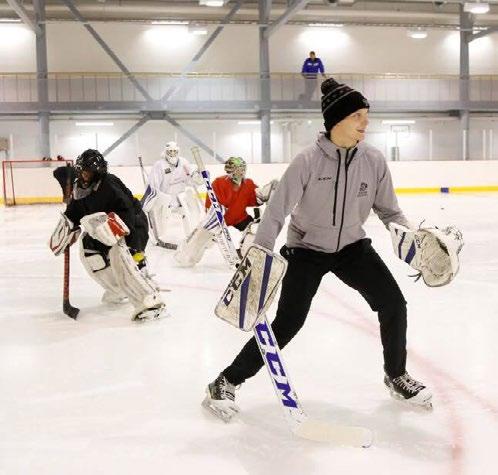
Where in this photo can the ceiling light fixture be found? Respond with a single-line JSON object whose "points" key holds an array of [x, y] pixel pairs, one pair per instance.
{"points": [[94, 124], [477, 8], [327, 25], [212, 3], [417, 33], [398, 122], [169, 22], [197, 30]]}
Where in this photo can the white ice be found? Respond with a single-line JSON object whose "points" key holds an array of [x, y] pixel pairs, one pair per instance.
{"points": [[104, 395]]}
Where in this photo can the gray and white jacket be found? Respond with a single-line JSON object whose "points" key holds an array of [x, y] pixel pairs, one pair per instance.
{"points": [[330, 192]]}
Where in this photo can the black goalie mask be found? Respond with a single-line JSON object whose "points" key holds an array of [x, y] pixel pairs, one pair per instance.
{"points": [[94, 164]]}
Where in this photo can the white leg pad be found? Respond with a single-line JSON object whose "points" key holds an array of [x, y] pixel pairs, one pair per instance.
{"points": [[191, 250], [141, 292], [158, 219], [191, 209], [99, 270], [158, 212], [247, 238]]}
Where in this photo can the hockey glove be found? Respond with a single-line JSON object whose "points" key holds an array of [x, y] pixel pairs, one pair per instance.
{"points": [[63, 236], [431, 251]]}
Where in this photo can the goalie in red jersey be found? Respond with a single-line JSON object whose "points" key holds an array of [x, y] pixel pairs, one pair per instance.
{"points": [[235, 194]]}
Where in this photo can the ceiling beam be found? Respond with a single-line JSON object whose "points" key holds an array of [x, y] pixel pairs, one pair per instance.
{"points": [[23, 14], [293, 8]]}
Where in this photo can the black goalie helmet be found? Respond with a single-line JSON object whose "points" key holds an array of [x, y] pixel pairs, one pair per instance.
{"points": [[90, 161]]}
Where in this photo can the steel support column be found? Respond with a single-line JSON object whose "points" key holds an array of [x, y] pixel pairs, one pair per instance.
{"points": [[466, 24], [265, 85], [42, 78]]}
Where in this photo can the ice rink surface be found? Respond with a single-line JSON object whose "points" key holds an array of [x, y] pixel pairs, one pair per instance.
{"points": [[104, 395]]}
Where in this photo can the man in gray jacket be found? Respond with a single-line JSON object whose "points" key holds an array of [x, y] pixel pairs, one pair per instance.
{"points": [[329, 190]]}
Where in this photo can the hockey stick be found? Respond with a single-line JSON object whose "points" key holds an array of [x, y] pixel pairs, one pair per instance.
{"points": [[294, 414], [167, 245], [224, 240], [144, 178], [67, 308]]}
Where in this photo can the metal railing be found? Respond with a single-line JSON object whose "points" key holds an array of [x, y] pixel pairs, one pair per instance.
{"points": [[211, 88]]}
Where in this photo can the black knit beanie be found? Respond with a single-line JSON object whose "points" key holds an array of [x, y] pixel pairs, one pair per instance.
{"points": [[338, 101]]}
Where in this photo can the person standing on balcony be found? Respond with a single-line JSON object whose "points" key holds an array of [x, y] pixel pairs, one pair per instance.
{"points": [[311, 67]]}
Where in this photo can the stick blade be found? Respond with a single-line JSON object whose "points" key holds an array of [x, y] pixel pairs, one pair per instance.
{"points": [[70, 311], [167, 245], [339, 435]]}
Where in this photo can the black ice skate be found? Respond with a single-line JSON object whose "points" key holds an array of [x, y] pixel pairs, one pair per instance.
{"points": [[405, 388], [220, 399]]}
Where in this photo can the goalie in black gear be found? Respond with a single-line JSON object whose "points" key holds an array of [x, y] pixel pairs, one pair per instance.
{"points": [[114, 238]]}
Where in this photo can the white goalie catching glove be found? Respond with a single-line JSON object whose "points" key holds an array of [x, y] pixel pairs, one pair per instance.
{"points": [[63, 236], [431, 251], [108, 228], [263, 194], [252, 288]]}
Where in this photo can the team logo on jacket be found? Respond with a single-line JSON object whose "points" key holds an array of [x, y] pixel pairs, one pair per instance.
{"points": [[363, 191], [323, 178], [167, 170]]}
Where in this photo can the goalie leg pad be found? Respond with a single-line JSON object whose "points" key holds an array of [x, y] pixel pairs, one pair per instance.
{"points": [[157, 207], [158, 219], [252, 288], [247, 238], [137, 287], [190, 208], [97, 266], [191, 250]]}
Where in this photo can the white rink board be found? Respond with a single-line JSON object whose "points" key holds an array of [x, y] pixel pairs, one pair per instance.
{"points": [[38, 182]]}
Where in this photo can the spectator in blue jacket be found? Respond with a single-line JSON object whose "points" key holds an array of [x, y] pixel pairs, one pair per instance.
{"points": [[311, 67]]}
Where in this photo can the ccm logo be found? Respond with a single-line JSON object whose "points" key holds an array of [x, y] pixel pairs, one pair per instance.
{"points": [[275, 365], [242, 272]]}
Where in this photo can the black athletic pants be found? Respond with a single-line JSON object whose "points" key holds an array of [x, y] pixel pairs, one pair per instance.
{"points": [[357, 265]]}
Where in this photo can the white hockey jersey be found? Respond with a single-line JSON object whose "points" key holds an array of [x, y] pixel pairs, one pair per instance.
{"points": [[171, 180]]}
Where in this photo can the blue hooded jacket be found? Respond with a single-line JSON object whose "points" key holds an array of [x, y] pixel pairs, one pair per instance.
{"points": [[312, 66]]}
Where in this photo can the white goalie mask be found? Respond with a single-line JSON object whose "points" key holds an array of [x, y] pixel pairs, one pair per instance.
{"points": [[170, 153]]}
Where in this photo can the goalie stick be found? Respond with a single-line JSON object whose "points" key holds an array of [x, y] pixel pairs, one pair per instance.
{"points": [[224, 240], [144, 179], [67, 308], [294, 414]]}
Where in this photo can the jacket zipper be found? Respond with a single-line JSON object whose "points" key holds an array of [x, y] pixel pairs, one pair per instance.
{"points": [[336, 186], [347, 163]]}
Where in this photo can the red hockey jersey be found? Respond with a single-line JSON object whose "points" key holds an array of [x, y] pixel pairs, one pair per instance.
{"points": [[235, 201]]}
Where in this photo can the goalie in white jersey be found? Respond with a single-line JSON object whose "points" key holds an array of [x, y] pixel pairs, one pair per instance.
{"points": [[172, 188]]}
